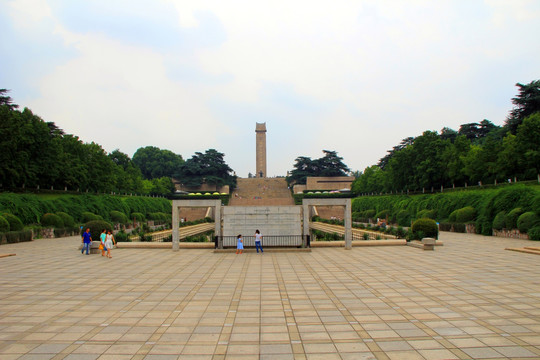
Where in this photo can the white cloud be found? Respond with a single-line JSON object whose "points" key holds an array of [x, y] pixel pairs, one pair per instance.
{"points": [[354, 76]]}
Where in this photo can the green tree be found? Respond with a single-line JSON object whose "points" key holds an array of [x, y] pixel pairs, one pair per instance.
{"points": [[156, 163], [526, 103], [209, 168], [6, 100], [328, 165], [373, 179], [528, 146]]}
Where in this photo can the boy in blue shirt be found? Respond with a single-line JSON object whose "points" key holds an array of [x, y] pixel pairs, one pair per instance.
{"points": [[87, 241]]}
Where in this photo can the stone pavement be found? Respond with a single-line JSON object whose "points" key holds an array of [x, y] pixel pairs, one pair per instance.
{"points": [[467, 299]]}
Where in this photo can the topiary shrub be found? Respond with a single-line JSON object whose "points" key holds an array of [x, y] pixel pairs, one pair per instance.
{"points": [[368, 213], [68, 220], [137, 216], [425, 228], [15, 224], [4, 225], [512, 217], [403, 218], [382, 214], [88, 216], [96, 227], [51, 220], [534, 233], [118, 217], [122, 236], [465, 214], [527, 221], [426, 214], [499, 222]]}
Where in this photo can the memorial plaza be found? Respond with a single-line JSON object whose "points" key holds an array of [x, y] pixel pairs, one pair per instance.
{"points": [[467, 299]]}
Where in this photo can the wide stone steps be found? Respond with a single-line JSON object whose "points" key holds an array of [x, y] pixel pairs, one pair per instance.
{"points": [[261, 192]]}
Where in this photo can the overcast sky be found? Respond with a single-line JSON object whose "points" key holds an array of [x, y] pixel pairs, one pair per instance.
{"points": [[355, 77]]}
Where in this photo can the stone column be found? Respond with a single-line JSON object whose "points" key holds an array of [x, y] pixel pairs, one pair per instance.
{"points": [[260, 130], [175, 226], [348, 225]]}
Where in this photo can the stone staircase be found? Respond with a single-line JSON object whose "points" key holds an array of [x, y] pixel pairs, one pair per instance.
{"points": [[330, 212], [261, 192]]}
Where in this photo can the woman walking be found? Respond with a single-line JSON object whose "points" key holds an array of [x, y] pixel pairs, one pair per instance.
{"points": [[258, 241], [103, 239], [109, 243], [239, 244]]}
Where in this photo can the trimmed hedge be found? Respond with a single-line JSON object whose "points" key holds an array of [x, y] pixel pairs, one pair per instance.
{"points": [[463, 215], [499, 222], [52, 220], [137, 216], [68, 220], [13, 237], [4, 225], [527, 221], [118, 217], [426, 214], [512, 217], [534, 233], [15, 224], [29, 208], [486, 202]]}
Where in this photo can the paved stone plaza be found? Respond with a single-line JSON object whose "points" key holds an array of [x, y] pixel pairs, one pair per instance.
{"points": [[467, 299]]}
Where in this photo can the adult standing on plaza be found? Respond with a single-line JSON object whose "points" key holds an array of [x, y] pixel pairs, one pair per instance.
{"points": [[109, 239], [103, 238], [258, 241], [87, 241]]}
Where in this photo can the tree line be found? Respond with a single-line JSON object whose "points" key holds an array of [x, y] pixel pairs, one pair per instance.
{"points": [[38, 154], [478, 153]]}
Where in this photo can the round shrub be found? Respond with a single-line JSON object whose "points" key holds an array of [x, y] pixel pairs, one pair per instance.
{"points": [[52, 220], [512, 217], [4, 225], [426, 226], [465, 214], [452, 216], [534, 233], [139, 217], [368, 213], [527, 221], [122, 236], [15, 224], [499, 222], [118, 217], [67, 219], [88, 216], [426, 214], [96, 227]]}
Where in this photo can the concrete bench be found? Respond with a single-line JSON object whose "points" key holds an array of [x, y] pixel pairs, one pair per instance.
{"points": [[429, 243], [426, 244]]}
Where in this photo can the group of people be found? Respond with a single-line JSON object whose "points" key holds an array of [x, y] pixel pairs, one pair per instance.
{"points": [[106, 242], [258, 242]]}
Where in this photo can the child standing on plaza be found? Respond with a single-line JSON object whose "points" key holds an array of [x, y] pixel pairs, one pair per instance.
{"points": [[239, 244]]}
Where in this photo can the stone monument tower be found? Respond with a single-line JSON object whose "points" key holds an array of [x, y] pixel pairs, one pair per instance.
{"points": [[260, 130]]}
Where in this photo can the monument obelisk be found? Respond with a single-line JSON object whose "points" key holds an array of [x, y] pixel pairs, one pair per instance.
{"points": [[260, 130]]}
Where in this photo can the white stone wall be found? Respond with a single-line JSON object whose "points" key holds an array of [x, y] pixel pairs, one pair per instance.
{"points": [[270, 220]]}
